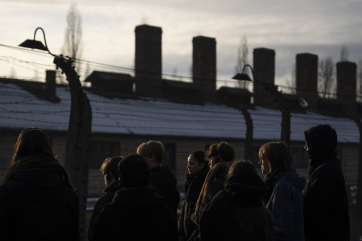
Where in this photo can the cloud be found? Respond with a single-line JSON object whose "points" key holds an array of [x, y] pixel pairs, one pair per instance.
{"points": [[319, 27]]}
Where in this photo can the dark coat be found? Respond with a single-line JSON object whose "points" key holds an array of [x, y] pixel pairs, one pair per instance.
{"points": [[326, 215], [136, 214], [37, 204], [107, 197], [193, 185], [220, 218], [286, 204], [165, 184]]}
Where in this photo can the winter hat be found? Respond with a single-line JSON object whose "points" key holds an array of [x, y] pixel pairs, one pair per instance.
{"points": [[246, 189], [133, 171]]}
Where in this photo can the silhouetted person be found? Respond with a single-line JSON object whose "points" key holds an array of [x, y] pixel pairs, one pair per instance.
{"points": [[197, 168], [109, 169], [237, 212], [326, 215], [37, 201], [222, 158], [161, 177], [137, 212], [284, 195]]}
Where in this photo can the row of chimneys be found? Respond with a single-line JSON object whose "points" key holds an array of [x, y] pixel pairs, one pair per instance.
{"points": [[306, 79], [148, 62], [148, 71]]}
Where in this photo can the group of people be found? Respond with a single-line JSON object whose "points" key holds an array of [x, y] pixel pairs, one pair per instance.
{"points": [[224, 199], [234, 203], [144, 203]]}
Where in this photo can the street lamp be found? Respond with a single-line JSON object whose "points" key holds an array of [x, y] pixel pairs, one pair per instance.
{"points": [[79, 126], [244, 76], [285, 104], [35, 44]]}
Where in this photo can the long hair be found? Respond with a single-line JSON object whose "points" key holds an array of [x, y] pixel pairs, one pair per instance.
{"points": [[31, 144], [278, 155], [209, 189], [211, 151]]}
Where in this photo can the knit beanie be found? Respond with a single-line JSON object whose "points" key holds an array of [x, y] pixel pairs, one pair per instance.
{"points": [[246, 189], [133, 171]]}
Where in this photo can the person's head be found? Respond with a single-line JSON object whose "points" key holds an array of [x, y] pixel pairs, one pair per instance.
{"points": [[241, 167], [31, 142], [133, 171], [244, 180], [321, 142], [225, 152], [109, 169], [248, 189], [152, 151], [275, 157], [211, 155], [196, 162]]}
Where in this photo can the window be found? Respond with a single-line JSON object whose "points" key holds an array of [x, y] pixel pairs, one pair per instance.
{"points": [[101, 150], [170, 156]]}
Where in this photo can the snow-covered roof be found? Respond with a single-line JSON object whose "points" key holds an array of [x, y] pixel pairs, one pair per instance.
{"points": [[20, 109]]}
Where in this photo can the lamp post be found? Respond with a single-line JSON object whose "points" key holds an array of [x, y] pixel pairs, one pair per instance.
{"points": [[234, 102], [79, 127], [285, 104]]}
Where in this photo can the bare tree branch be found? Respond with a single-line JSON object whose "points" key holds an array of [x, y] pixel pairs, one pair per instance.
{"points": [[326, 76], [73, 35], [242, 58]]}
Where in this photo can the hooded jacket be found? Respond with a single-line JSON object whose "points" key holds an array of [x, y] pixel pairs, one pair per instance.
{"points": [[138, 214], [37, 204], [220, 218], [164, 183], [326, 215], [286, 204]]}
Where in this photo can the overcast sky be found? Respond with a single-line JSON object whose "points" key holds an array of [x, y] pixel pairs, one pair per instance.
{"points": [[289, 27]]}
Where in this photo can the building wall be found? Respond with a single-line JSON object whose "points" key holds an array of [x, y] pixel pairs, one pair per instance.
{"points": [[184, 146]]}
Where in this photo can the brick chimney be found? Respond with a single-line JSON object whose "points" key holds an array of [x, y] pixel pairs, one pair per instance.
{"points": [[307, 77], [148, 62], [204, 65], [346, 85], [50, 83], [264, 71]]}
